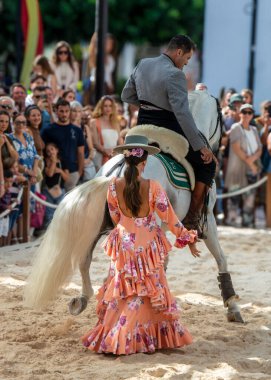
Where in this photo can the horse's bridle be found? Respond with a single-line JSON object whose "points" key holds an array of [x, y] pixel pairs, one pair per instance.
{"points": [[219, 121]]}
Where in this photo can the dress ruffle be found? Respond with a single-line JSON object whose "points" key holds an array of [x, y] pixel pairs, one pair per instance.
{"points": [[137, 272], [144, 338]]}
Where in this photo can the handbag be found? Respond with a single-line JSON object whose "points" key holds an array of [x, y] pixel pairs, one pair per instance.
{"points": [[37, 216]]}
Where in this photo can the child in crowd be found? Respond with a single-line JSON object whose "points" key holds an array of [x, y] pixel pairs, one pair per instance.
{"points": [[54, 177], [16, 213]]}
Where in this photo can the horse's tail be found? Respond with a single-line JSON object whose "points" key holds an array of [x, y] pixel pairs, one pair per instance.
{"points": [[74, 228]]}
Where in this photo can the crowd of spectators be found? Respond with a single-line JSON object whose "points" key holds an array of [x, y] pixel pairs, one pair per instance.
{"points": [[53, 138], [245, 156]]}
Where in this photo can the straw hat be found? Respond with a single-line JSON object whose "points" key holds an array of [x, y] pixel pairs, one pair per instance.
{"points": [[136, 141]]}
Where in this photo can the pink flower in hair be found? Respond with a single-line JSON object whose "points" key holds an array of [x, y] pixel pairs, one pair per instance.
{"points": [[136, 152]]}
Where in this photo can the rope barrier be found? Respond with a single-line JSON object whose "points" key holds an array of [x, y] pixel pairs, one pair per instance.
{"points": [[243, 190], [13, 205], [44, 203], [219, 196]]}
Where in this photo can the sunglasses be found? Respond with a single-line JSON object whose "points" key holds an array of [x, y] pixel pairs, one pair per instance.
{"points": [[20, 122], [6, 107], [247, 112], [63, 52]]}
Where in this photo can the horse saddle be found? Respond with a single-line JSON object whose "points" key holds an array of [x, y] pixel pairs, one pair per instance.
{"points": [[174, 148]]}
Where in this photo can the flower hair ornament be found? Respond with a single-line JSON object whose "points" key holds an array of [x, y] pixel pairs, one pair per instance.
{"points": [[135, 152]]}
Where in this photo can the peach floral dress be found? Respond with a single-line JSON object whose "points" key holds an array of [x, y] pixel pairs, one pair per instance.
{"points": [[136, 310]]}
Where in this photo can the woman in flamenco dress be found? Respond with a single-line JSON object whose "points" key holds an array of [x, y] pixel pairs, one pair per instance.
{"points": [[136, 311]]}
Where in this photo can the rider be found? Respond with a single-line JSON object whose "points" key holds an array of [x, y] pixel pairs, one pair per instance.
{"points": [[158, 86]]}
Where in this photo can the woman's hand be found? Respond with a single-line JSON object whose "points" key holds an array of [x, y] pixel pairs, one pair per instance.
{"points": [[108, 152], [253, 168], [194, 250]]}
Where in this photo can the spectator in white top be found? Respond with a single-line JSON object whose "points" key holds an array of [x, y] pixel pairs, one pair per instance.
{"points": [[65, 68]]}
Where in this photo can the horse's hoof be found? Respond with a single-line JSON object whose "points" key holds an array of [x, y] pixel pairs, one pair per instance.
{"points": [[235, 317], [77, 305]]}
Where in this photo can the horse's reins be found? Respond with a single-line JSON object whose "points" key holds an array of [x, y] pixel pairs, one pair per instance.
{"points": [[118, 165], [218, 122]]}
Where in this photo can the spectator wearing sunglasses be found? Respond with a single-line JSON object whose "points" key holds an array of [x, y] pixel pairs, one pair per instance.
{"points": [[7, 104], [35, 81], [65, 68], [243, 168], [24, 145]]}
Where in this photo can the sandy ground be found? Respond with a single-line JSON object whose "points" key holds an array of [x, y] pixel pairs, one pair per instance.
{"points": [[45, 345]]}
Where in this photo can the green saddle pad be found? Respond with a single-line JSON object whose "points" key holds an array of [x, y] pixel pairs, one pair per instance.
{"points": [[176, 173]]}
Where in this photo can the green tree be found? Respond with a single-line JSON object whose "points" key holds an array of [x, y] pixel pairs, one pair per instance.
{"points": [[138, 21]]}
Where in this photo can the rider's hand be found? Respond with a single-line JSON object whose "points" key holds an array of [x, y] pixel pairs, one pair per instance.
{"points": [[194, 250], [207, 155]]}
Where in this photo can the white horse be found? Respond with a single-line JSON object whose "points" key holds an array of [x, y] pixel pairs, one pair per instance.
{"points": [[82, 218]]}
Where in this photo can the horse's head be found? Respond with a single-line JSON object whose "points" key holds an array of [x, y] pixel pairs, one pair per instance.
{"points": [[206, 113]]}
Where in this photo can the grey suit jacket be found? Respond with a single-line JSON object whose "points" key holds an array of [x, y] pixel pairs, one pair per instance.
{"points": [[158, 81]]}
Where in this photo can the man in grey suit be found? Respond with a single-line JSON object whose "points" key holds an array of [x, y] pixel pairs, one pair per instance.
{"points": [[158, 86]]}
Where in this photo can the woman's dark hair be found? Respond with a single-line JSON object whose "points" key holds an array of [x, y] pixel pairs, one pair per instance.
{"points": [[43, 61], [8, 162], [8, 173], [3, 112], [131, 193], [65, 93]]}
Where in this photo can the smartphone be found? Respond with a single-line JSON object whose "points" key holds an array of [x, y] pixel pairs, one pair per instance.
{"points": [[269, 110]]}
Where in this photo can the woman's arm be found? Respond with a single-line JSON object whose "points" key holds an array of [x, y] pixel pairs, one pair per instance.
{"points": [[35, 166], [80, 158], [243, 156], [12, 151], [254, 157], [65, 174], [97, 145], [239, 151], [54, 84], [89, 142], [164, 210]]}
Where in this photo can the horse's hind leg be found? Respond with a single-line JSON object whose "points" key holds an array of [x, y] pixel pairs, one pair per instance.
{"points": [[224, 278]]}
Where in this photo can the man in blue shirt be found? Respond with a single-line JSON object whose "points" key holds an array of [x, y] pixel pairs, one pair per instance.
{"points": [[70, 141]]}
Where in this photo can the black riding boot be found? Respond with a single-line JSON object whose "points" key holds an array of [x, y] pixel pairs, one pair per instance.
{"points": [[194, 219]]}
